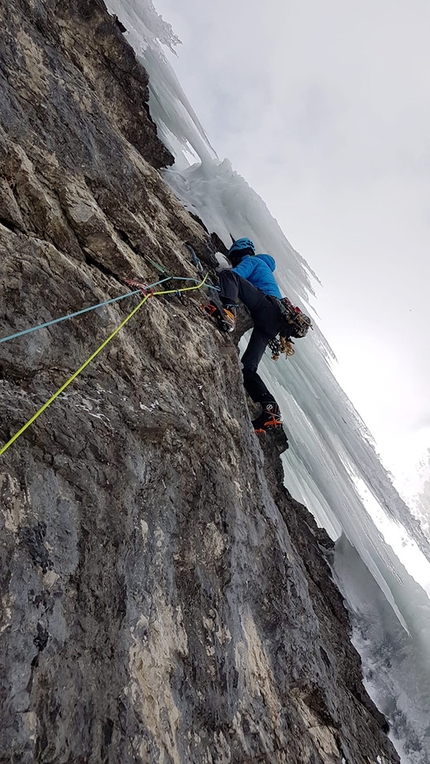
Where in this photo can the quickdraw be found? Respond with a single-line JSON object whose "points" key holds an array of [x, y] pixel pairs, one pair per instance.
{"points": [[280, 345], [146, 291]]}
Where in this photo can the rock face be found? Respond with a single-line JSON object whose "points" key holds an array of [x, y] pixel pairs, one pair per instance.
{"points": [[164, 599]]}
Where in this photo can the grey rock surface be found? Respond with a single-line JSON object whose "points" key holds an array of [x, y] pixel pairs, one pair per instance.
{"points": [[163, 597]]}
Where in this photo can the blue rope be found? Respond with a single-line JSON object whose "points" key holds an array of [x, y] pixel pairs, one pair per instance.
{"points": [[78, 313], [94, 307]]}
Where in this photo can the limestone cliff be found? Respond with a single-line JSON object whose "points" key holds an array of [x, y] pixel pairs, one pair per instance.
{"points": [[164, 599]]}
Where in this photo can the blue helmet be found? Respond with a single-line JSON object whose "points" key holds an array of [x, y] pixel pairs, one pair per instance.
{"points": [[240, 245]]}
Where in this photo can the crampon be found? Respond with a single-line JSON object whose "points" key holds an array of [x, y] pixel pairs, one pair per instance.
{"points": [[270, 418], [224, 318]]}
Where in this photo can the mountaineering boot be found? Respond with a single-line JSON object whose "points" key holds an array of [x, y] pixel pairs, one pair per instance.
{"points": [[229, 318], [224, 317], [269, 417]]}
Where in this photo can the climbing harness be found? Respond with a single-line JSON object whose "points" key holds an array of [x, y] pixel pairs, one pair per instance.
{"points": [[92, 357], [296, 322]]}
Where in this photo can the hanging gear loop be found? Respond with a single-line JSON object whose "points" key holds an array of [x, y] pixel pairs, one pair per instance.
{"points": [[296, 324], [91, 358], [281, 344]]}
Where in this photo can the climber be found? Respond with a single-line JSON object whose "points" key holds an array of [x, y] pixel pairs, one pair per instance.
{"points": [[251, 280]]}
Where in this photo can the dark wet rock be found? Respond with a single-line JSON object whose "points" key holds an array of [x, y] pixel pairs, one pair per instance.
{"points": [[163, 596]]}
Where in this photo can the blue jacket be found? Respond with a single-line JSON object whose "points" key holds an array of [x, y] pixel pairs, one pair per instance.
{"points": [[258, 270]]}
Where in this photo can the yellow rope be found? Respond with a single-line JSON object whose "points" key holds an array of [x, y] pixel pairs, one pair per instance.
{"points": [[88, 361]]}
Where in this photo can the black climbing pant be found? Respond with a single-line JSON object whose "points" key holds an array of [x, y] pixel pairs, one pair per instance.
{"points": [[267, 319]]}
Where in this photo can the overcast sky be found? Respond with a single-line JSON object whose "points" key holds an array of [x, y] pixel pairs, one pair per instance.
{"points": [[324, 108]]}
